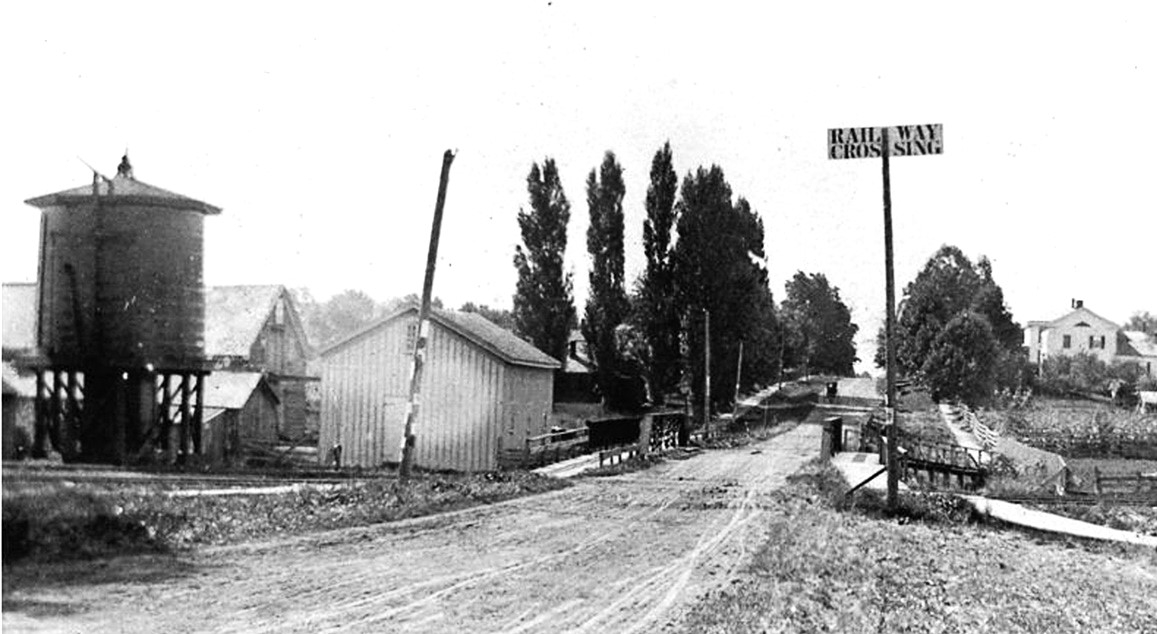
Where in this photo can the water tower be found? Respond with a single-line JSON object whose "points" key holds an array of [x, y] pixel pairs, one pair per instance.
{"points": [[120, 332]]}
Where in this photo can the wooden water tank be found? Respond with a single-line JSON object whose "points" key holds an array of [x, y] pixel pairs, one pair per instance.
{"points": [[121, 266]]}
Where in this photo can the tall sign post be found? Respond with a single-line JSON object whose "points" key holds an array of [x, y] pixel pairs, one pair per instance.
{"points": [[882, 143], [409, 438]]}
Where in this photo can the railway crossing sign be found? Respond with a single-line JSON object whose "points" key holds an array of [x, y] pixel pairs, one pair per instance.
{"points": [[904, 140], [881, 143]]}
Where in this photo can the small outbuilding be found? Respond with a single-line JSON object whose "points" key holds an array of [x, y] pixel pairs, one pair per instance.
{"points": [[242, 412], [483, 390], [258, 329]]}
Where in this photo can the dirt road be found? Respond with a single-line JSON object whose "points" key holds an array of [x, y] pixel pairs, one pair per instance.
{"points": [[624, 554]]}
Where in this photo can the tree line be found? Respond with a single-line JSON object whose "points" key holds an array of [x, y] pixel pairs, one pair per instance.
{"points": [[705, 262], [955, 336]]}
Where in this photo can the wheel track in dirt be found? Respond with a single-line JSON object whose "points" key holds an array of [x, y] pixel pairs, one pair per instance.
{"points": [[627, 554]]}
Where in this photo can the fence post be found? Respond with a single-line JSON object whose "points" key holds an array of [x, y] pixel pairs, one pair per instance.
{"points": [[1097, 481]]}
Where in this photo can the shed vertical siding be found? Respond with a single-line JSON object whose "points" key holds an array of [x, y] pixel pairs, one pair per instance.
{"points": [[472, 401]]}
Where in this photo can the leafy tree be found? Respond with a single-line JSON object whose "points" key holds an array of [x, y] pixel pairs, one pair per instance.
{"points": [[338, 317], [657, 311], [607, 305], [822, 335], [988, 300], [961, 362], [947, 286], [718, 267], [1063, 374], [1144, 322], [543, 303], [499, 316]]}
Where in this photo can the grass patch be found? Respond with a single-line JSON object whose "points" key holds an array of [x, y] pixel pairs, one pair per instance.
{"points": [[833, 565], [46, 522]]}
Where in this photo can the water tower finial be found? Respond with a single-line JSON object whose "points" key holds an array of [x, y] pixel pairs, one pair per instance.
{"points": [[125, 169]]}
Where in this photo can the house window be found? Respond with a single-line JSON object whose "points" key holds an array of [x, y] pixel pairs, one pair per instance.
{"points": [[1102, 342], [1067, 342], [1092, 342]]}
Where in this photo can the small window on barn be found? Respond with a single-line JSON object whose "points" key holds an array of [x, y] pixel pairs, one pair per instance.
{"points": [[1068, 342], [411, 337], [279, 313]]}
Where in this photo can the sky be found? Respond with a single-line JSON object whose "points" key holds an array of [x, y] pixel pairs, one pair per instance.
{"points": [[319, 130]]}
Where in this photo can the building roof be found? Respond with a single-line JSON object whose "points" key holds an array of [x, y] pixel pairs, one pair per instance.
{"points": [[475, 328], [1066, 316], [231, 390], [234, 316], [1137, 344], [123, 188], [19, 310]]}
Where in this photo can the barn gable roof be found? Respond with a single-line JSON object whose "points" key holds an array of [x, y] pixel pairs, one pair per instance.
{"points": [[235, 315], [473, 327]]}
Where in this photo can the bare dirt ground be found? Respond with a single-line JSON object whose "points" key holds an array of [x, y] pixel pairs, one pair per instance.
{"points": [[623, 554]]}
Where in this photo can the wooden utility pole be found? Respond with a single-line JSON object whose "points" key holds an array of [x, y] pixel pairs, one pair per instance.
{"points": [[409, 438], [738, 374], [890, 335], [872, 142], [707, 372]]}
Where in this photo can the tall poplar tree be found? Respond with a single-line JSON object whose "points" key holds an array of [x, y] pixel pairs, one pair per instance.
{"points": [[659, 312], [607, 305], [544, 310], [718, 266]]}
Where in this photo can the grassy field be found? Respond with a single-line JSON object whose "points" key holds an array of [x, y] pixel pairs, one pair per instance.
{"points": [[63, 520], [829, 568]]}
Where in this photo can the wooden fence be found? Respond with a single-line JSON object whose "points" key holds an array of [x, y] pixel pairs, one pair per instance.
{"points": [[1118, 485], [546, 449], [665, 428], [616, 455], [1091, 444]]}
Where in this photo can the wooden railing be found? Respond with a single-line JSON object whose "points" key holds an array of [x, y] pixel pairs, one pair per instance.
{"points": [[547, 448], [665, 428]]}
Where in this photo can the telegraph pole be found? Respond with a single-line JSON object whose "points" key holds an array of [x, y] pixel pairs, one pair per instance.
{"points": [[890, 335], [409, 438], [883, 142], [707, 372], [738, 374]]}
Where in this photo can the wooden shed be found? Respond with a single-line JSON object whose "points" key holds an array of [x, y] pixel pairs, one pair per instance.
{"points": [[483, 389], [242, 412]]}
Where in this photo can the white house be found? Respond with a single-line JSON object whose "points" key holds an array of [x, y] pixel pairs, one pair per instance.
{"points": [[1083, 331]]}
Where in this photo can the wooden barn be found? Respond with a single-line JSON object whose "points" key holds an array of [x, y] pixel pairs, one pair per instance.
{"points": [[257, 328], [242, 412], [483, 389]]}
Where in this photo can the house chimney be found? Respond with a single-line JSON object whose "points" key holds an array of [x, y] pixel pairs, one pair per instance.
{"points": [[1078, 303]]}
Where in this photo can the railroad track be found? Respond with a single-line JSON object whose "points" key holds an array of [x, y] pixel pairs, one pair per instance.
{"points": [[174, 480]]}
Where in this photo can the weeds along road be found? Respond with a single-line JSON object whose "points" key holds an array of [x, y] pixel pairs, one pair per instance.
{"points": [[622, 554]]}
